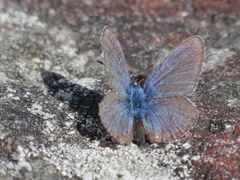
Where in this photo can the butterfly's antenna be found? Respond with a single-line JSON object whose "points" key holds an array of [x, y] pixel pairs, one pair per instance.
{"points": [[134, 81], [141, 82], [139, 79], [100, 59], [100, 62]]}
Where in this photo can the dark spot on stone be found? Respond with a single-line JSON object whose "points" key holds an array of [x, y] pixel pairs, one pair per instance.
{"points": [[81, 100]]}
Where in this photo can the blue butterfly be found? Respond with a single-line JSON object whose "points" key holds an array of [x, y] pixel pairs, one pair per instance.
{"points": [[159, 104]]}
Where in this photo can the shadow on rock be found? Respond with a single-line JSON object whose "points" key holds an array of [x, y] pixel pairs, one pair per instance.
{"points": [[81, 99]]}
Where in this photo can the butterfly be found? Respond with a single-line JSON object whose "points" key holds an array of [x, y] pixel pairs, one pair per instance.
{"points": [[160, 103]]}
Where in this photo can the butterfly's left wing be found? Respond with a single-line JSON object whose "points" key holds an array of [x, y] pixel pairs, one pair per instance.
{"points": [[116, 118], [114, 62], [178, 73], [169, 118]]}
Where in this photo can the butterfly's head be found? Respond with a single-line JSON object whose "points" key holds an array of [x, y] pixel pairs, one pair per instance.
{"points": [[137, 101]]}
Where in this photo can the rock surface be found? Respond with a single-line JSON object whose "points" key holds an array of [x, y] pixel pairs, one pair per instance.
{"points": [[51, 84]]}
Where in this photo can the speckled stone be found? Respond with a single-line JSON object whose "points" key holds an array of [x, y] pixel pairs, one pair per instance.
{"points": [[51, 84]]}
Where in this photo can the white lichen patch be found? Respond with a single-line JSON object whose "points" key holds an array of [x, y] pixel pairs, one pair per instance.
{"points": [[20, 164], [195, 158], [216, 57], [186, 145], [91, 161], [13, 19], [37, 109], [235, 102], [127, 162], [23, 165], [4, 79], [78, 63], [89, 83]]}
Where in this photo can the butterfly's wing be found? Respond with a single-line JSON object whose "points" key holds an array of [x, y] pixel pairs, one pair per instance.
{"points": [[178, 73], [116, 118], [113, 111], [114, 62], [169, 118]]}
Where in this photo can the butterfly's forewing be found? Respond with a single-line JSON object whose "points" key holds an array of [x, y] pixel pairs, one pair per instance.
{"points": [[169, 118], [178, 73], [116, 118], [114, 61]]}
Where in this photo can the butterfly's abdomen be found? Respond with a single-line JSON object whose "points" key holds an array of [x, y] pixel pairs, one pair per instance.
{"points": [[137, 102]]}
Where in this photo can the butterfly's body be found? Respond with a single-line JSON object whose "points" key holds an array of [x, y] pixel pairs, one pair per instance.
{"points": [[138, 103], [158, 109]]}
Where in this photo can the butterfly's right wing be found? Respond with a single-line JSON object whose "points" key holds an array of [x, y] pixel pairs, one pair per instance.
{"points": [[114, 62], [116, 118], [169, 118], [178, 73]]}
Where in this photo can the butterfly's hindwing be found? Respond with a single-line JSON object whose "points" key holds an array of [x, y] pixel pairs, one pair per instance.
{"points": [[117, 118], [169, 118]]}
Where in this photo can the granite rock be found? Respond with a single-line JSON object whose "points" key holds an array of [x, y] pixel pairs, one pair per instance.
{"points": [[51, 84]]}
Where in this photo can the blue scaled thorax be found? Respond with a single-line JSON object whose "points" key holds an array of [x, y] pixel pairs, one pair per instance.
{"points": [[137, 101]]}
